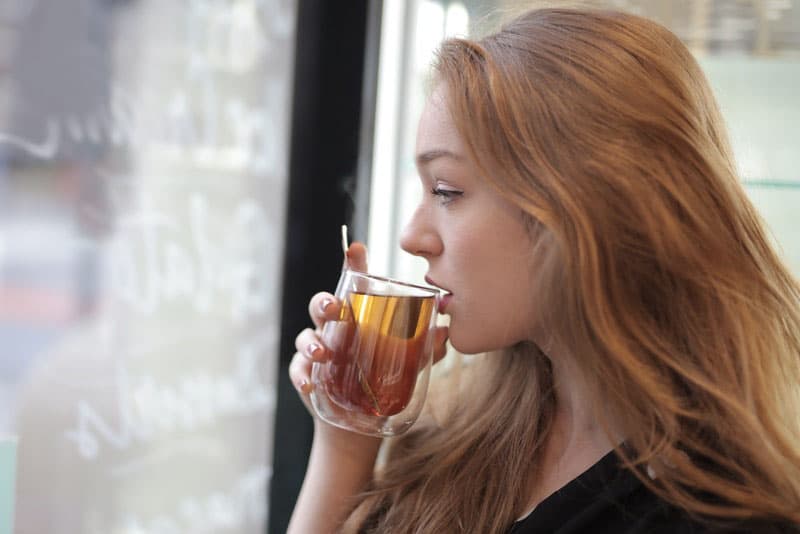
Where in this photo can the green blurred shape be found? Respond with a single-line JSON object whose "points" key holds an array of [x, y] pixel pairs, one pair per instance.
{"points": [[8, 470]]}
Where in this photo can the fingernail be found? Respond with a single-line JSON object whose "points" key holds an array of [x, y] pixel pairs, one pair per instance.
{"points": [[305, 386], [324, 304], [313, 349]]}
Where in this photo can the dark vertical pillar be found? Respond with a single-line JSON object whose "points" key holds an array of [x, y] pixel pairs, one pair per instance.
{"points": [[327, 129]]}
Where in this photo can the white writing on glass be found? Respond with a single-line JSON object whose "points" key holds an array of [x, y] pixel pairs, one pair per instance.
{"points": [[147, 410], [243, 504], [222, 36], [197, 127], [240, 264]]}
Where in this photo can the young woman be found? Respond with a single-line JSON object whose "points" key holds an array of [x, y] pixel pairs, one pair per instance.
{"points": [[642, 372]]}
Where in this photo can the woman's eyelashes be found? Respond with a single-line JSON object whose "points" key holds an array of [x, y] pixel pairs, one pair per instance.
{"points": [[445, 194]]}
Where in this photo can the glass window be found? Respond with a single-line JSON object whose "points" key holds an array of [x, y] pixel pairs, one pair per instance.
{"points": [[143, 178]]}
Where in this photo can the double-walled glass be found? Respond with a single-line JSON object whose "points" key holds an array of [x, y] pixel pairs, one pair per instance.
{"points": [[382, 347]]}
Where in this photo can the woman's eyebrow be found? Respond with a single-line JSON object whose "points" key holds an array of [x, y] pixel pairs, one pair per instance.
{"points": [[430, 155]]}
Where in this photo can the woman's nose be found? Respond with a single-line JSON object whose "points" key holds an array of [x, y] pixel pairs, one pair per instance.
{"points": [[420, 238]]}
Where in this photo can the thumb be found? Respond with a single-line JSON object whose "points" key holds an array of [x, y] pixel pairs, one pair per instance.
{"points": [[356, 257]]}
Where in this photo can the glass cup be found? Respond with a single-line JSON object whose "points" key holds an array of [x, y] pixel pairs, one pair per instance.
{"points": [[376, 379]]}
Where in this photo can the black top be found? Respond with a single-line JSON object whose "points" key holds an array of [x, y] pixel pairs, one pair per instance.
{"points": [[607, 498]]}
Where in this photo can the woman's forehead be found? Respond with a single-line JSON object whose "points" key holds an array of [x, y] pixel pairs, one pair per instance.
{"points": [[437, 130]]}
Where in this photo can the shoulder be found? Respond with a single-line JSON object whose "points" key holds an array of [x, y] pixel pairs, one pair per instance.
{"points": [[663, 518], [642, 511], [608, 499]]}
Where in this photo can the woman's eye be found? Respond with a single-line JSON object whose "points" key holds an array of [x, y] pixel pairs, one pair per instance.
{"points": [[446, 195]]}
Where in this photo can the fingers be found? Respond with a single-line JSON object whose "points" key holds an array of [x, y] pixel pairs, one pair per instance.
{"points": [[439, 343], [323, 307], [300, 373], [309, 349], [357, 257], [309, 345]]}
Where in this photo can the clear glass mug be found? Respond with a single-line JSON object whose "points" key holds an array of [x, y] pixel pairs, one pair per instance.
{"points": [[376, 380]]}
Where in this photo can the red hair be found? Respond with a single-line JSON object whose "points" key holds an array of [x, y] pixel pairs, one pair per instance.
{"points": [[661, 281]]}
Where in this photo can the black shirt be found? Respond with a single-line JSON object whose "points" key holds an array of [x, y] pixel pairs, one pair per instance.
{"points": [[607, 498]]}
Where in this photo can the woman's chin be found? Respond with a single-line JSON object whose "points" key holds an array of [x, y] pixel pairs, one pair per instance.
{"points": [[465, 345], [478, 341]]}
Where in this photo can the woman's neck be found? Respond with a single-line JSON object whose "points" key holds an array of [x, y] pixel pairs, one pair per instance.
{"points": [[576, 439], [576, 424]]}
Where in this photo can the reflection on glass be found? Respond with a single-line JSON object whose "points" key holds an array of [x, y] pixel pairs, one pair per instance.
{"points": [[142, 181]]}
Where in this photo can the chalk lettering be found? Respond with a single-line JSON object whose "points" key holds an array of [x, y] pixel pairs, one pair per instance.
{"points": [[243, 504], [148, 409], [227, 134], [45, 149], [154, 263]]}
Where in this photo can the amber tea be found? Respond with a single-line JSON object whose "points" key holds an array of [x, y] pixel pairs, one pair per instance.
{"points": [[378, 347], [375, 378]]}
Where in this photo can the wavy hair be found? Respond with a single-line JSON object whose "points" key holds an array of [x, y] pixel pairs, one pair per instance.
{"points": [[662, 283]]}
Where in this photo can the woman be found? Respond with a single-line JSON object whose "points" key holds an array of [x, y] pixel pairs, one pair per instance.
{"points": [[582, 208]]}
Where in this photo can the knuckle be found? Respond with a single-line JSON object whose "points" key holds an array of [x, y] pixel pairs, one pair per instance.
{"points": [[309, 345], [320, 305], [302, 339]]}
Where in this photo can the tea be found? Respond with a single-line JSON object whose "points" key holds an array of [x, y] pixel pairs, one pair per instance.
{"points": [[378, 346]]}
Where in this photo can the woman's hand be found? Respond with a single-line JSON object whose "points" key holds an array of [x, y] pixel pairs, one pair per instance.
{"points": [[323, 307], [341, 462]]}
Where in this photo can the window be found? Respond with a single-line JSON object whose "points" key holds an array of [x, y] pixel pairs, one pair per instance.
{"points": [[750, 50]]}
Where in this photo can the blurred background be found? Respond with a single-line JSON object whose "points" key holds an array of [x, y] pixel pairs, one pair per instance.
{"points": [[173, 175]]}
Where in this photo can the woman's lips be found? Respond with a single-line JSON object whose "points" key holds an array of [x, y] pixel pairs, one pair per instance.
{"points": [[443, 302], [444, 299]]}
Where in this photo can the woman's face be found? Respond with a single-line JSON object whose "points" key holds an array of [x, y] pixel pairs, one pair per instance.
{"points": [[475, 242]]}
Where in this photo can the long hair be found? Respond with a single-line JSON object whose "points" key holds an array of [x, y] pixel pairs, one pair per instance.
{"points": [[661, 282]]}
